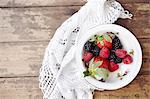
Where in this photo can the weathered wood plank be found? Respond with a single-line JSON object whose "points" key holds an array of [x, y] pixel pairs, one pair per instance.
{"points": [[19, 88], [38, 24], [21, 59], [29, 3], [27, 88], [25, 58], [31, 24]]}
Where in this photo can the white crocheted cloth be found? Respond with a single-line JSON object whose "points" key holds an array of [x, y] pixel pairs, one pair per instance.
{"points": [[59, 76]]}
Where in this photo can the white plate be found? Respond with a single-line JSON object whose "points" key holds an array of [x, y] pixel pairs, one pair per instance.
{"points": [[129, 42]]}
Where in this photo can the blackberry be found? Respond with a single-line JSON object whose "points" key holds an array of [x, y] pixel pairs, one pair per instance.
{"points": [[118, 60], [95, 50], [88, 46], [114, 58], [92, 47], [116, 43]]}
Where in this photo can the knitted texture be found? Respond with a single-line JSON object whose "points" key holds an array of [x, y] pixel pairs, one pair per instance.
{"points": [[59, 76]]}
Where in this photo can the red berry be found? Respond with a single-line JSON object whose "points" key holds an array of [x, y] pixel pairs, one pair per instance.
{"points": [[99, 45], [105, 63], [104, 52], [96, 59], [87, 56], [121, 53], [128, 59], [107, 44], [113, 67]]}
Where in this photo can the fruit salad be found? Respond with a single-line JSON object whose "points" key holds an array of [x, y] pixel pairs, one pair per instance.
{"points": [[102, 55]]}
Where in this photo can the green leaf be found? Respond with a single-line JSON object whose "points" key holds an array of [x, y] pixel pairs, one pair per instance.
{"points": [[107, 37]]}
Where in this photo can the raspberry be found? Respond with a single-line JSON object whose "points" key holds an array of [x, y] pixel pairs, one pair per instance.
{"points": [[87, 56], [121, 53], [113, 67], [104, 52], [128, 59]]}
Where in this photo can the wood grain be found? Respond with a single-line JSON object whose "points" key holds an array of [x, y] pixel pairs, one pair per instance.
{"points": [[20, 88], [21, 59], [39, 24], [27, 88], [34, 3]]}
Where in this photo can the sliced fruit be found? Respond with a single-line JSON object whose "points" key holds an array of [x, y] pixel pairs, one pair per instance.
{"points": [[128, 59], [121, 53], [87, 56], [113, 67], [107, 44], [105, 62], [104, 52], [100, 44]]}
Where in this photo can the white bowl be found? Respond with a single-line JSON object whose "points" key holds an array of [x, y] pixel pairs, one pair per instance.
{"points": [[129, 42]]}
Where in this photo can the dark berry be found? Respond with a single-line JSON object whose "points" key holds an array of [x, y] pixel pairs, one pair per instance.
{"points": [[114, 58], [95, 50], [118, 60], [116, 43], [88, 46]]}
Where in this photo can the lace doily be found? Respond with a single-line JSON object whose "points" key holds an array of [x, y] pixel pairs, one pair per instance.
{"points": [[59, 76]]}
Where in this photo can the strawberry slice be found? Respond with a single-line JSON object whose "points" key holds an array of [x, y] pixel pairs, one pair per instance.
{"points": [[105, 62], [113, 67], [99, 45], [87, 56], [107, 44]]}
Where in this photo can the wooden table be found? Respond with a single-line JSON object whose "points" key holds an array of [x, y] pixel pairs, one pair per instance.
{"points": [[26, 27]]}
